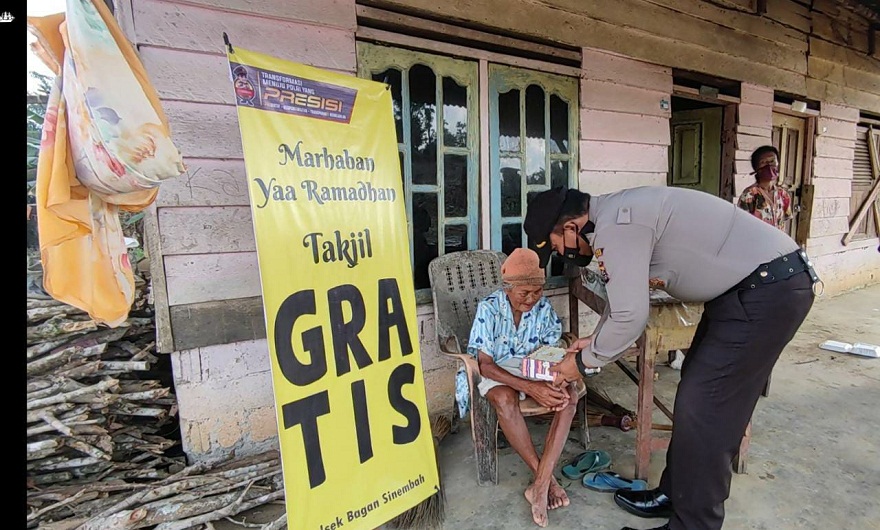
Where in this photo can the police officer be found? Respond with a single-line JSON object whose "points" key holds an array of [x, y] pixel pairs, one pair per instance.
{"points": [[757, 288]]}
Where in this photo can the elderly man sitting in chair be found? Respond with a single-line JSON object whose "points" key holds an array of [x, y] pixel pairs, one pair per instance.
{"points": [[508, 325]]}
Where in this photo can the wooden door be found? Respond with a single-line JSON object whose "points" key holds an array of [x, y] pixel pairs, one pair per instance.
{"points": [[695, 153], [789, 138]]}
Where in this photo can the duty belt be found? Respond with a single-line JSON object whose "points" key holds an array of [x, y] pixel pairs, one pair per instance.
{"points": [[781, 268]]}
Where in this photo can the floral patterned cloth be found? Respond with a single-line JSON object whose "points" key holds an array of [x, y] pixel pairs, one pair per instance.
{"points": [[105, 146], [758, 203], [495, 333]]}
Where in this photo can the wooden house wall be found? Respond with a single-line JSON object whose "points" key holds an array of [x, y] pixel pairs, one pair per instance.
{"points": [[858, 263], [201, 242], [779, 49], [200, 235], [624, 128]]}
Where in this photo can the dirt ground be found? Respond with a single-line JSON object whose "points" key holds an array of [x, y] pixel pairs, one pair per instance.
{"points": [[814, 461]]}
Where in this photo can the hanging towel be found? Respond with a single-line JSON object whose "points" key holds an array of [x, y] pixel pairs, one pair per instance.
{"points": [[106, 147]]}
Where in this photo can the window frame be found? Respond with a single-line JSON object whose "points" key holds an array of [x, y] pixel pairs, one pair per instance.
{"points": [[502, 79], [375, 56], [375, 59]]}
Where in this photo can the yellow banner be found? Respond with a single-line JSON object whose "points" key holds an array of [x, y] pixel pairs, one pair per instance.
{"points": [[329, 218]]}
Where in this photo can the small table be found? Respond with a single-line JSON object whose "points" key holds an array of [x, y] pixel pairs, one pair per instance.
{"points": [[671, 326]]}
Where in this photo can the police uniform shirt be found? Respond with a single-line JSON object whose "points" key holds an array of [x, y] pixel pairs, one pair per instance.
{"points": [[693, 245]]}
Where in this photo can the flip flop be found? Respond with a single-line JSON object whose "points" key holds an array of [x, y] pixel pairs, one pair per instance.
{"points": [[609, 482], [586, 462]]}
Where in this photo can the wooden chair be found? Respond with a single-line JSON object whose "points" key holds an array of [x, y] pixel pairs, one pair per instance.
{"points": [[459, 280]]}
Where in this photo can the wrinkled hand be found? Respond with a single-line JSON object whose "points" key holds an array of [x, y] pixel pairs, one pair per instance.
{"points": [[567, 370], [549, 395]]}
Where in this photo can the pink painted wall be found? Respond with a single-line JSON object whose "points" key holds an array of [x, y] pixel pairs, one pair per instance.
{"points": [[207, 242], [226, 403], [841, 267], [624, 129], [754, 128]]}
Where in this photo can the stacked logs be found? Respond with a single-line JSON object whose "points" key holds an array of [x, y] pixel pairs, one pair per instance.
{"points": [[193, 497], [103, 442]]}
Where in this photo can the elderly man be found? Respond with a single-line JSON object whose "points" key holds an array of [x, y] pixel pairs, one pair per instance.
{"points": [[508, 325]]}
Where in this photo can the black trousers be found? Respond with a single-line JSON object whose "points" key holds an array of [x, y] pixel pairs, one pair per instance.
{"points": [[735, 346]]}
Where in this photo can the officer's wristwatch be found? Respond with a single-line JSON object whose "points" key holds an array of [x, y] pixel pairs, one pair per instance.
{"points": [[583, 368]]}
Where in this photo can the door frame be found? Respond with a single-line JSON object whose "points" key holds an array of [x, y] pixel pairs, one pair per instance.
{"points": [[729, 105], [804, 193]]}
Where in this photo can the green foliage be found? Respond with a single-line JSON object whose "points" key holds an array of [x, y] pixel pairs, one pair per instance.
{"points": [[36, 113]]}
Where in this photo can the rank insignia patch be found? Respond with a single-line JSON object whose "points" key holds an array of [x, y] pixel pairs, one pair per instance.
{"points": [[603, 272]]}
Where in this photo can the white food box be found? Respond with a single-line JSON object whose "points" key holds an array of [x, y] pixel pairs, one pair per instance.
{"points": [[836, 345], [866, 350], [859, 348]]}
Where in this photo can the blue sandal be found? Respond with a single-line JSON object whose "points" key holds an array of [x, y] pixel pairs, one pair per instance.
{"points": [[609, 482], [586, 462]]}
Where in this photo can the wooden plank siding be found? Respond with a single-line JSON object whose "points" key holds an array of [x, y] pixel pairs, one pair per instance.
{"points": [[211, 277], [832, 177], [834, 23], [181, 26], [624, 127], [207, 182], [717, 38], [199, 231], [839, 69], [202, 234], [754, 127], [203, 228]]}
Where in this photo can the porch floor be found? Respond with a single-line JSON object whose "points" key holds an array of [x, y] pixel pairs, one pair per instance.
{"points": [[814, 460]]}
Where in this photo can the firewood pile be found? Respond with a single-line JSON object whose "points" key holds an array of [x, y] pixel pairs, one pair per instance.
{"points": [[103, 441]]}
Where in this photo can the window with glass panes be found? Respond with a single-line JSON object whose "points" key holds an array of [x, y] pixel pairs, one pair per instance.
{"points": [[532, 131], [533, 146], [435, 111]]}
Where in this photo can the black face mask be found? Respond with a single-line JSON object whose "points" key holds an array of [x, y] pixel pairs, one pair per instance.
{"points": [[572, 255]]}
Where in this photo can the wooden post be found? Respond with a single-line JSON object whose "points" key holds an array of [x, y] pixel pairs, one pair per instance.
{"points": [[809, 148], [644, 412], [805, 215], [876, 217], [806, 190], [728, 152], [584, 433], [574, 318], [485, 433]]}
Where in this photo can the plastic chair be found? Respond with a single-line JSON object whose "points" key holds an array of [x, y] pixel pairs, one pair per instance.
{"points": [[459, 281]]}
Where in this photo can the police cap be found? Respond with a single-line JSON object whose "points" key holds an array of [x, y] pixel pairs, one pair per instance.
{"points": [[541, 216]]}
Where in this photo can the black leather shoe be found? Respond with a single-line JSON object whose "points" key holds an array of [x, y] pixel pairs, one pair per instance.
{"points": [[664, 527], [650, 503]]}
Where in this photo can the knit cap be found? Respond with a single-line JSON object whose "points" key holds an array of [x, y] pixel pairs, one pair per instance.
{"points": [[521, 268]]}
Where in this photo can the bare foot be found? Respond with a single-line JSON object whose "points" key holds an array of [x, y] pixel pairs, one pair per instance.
{"points": [[538, 500], [556, 496]]}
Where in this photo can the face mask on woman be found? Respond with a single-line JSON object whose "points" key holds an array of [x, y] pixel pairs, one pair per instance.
{"points": [[768, 173]]}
